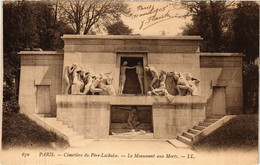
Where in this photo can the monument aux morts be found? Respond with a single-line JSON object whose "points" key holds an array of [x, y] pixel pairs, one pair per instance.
{"points": [[106, 85]]}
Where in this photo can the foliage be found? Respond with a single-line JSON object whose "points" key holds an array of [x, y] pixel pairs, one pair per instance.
{"points": [[27, 25], [230, 27], [246, 30], [84, 15], [225, 26], [118, 28], [209, 19], [251, 87]]}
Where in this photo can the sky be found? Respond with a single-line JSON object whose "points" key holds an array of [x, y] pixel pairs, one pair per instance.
{"points": [[156, 18]]}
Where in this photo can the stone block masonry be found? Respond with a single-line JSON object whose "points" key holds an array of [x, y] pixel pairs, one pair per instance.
{"points": [[90, 115]]}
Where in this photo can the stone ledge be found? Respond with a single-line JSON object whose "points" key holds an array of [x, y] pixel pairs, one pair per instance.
{"points": [[222, 54], [129, 37], [40, 53], [130, 100]]}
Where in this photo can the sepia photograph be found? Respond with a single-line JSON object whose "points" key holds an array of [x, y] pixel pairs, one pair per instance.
{"points": [[129, 82]]}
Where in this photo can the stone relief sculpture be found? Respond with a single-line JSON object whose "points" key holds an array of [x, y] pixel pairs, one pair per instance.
{"points": [[193, 83], [161, 90], [154, 74], [83, 82], [140, 75], [106, 84], [185, 85], [123, 76], [78, 83], [132, 119], [68, 77]]}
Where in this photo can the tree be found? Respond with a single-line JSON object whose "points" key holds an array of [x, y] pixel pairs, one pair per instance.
{"points": [[83, 15], [230, 27], [118, 28], [26, 25], [209, 20], [246, 30]]}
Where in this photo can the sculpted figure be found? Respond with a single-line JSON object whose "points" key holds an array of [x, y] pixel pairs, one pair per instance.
{"points": [[89, 82], [162, 91], [140, 74], [132, 119], [78, 83], [154, 75], [106, 84], [123, 76], [94, 86], [193, 83], [68, 76], [183, 86]]}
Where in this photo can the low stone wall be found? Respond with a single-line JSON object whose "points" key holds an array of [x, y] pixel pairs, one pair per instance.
{"points": [[222, 70], [90, 115], [40, 81]]}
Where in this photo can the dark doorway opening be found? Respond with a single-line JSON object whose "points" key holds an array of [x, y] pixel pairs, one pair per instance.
{"points": [[132, 85]]}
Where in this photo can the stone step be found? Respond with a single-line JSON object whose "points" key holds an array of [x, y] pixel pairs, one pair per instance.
{"points": [[178, 144], [194, 131], [200, 128], [216, 117], [205, 124], [209, 120], [188, 135], [184, 140]]}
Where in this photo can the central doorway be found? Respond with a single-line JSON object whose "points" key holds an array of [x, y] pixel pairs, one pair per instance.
{"points": [[132, 85]]}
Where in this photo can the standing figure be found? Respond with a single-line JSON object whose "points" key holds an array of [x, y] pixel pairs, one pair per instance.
{"points": [[68, 76], [140, 74], [132, 119], [154, 74], [123, 76]]}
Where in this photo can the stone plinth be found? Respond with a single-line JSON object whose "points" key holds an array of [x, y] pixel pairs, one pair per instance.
{"points": [[90, 115]]}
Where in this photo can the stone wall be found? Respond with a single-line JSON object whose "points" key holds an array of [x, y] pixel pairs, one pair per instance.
{"points": [[102, 53], [90, 115], [171, 120], [222, 70], [40, 76]]}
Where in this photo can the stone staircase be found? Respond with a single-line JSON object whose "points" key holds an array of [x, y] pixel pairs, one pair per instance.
{"points": [[62, 130], [203, 129]]}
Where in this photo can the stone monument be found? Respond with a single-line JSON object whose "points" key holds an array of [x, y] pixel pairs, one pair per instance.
{"points": [[180, 85]]}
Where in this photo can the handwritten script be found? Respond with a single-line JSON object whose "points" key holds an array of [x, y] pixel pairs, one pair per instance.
{"points": [[152, 14]]}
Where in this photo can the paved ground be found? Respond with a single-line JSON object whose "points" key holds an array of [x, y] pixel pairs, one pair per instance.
{"points": [[127, 152]]}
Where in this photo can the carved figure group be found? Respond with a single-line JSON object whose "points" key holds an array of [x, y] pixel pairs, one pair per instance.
{"points": [[139, 72], [79, 81], [184, 85]]}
